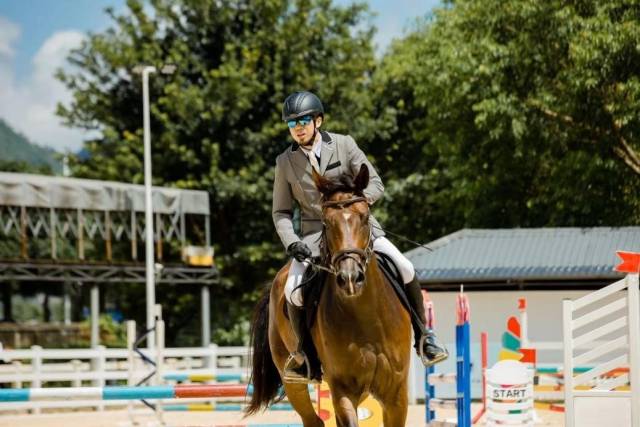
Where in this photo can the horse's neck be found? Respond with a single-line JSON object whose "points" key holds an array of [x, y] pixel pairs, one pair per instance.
{"points": [[375, 282], [382, 293]]}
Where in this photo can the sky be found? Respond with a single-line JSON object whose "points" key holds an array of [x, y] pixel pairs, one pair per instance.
{"points": [[36, 36]]}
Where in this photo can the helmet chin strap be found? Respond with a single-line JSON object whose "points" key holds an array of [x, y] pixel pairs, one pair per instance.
{"points": [[313, 137]]}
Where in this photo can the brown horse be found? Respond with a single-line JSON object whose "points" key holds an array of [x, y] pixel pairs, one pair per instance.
{"points": [[362, 332]]}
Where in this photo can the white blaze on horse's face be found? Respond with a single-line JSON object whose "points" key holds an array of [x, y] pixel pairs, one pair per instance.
{"points": [[346, 216], [350, 274]]}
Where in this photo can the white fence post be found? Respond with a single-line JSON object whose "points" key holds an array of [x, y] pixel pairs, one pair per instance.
{"points": [[158, 379], [131, 339], [77, 368], [100, 370], [17, 364], [188, 362], [36, 364], [633, 304], [211, 361], [567, 317]]}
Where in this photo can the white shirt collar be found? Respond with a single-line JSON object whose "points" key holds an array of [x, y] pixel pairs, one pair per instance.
{"points": [[316, 147]]}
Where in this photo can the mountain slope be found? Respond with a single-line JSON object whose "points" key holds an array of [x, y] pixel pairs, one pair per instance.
{"points": [[16, 147]]}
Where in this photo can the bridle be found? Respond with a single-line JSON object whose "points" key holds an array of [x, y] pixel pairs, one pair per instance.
{"points": [[360, 256]]}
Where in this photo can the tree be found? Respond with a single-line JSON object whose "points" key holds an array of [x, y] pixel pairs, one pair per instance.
{"points": [[514, 113], [216, 122]]}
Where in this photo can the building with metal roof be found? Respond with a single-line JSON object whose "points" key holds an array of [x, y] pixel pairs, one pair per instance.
{"points": [[499, 268], [524, 258]]}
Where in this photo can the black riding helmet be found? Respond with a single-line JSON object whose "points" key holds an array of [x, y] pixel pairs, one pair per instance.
{"points": [[300, 104]]}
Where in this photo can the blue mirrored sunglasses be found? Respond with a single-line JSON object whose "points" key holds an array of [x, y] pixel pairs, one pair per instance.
{"points": [[305, 120]]}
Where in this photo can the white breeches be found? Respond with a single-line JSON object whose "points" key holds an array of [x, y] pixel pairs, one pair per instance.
{"points": [[293, 293]]}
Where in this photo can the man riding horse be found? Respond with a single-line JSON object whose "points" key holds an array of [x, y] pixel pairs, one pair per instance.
{"points": [[330, 155]]}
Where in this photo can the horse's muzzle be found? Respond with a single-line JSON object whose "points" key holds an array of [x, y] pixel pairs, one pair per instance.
{"points": [[350, 281]]}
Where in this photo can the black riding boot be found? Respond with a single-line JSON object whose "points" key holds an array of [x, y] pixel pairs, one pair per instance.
{"points": [[296, 368], [430, 351]]}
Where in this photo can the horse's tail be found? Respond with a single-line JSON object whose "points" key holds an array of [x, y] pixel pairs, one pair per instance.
{"points": [[264, 374]]}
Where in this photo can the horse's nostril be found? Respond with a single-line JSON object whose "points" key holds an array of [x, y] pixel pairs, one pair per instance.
{"points": [[342, 280], [360, 278]]}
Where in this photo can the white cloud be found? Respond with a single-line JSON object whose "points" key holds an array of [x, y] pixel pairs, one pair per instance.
{"points": [[9, 33], [29, 104]]}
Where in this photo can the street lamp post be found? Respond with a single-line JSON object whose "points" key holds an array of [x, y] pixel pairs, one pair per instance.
{"points": [[146, 70], [148, 207]]}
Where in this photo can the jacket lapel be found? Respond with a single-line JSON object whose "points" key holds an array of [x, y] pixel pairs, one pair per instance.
{"points": [[326, 152], [300, 161]]}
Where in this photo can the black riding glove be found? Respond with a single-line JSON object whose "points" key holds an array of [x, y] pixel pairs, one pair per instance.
{"points": [[299, 250]]}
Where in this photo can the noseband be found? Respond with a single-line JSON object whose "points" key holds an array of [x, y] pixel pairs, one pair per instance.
{"points": [[360, 256]]}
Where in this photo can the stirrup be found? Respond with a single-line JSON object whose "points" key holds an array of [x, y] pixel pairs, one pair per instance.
{"points": [[289, 375], [423, 357]]}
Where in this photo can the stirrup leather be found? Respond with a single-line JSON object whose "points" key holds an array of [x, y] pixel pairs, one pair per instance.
{"points": [[423, 357], [290, 375]]}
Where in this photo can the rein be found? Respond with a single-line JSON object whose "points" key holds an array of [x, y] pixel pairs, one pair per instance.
{"points": [[360, 256]]}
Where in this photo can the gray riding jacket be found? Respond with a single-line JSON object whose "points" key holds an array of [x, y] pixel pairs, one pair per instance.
{"points": [[293, 181]]}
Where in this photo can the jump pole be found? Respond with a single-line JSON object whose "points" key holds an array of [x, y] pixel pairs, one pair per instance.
{"points": [[463, 360], [180, 377], [462, 377], [222, 407], [125, 393], [429, 389], [484, 345]]}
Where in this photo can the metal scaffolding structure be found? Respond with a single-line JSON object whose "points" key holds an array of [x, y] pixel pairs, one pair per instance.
{"points": [[78, 225], [99, 274], [67, 230]]}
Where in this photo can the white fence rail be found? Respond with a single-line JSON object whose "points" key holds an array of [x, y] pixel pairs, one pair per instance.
{"points": [[38, 367]]}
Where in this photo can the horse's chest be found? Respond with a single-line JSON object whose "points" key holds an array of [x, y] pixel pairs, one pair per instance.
{"points": [[350, 352], [363, 370]]}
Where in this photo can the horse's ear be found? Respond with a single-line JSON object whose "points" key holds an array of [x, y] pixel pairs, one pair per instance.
{"points": [[362, 180], [322, 183]]}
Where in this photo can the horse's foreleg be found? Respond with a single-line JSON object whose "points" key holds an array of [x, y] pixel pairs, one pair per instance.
{"points": [[279, 332], [394, 410], [298, 396], [345, 408]]}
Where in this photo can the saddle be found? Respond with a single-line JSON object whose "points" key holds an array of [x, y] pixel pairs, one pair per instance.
{"points": [[311, 286]]}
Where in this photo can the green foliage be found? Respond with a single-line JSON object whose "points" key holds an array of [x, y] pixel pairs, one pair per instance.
{"points": [[112, 334], [513, 113], [20, 155], [509, 113], [216, 122]]}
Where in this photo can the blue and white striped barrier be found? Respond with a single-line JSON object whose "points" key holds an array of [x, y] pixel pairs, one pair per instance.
{"points": [[125, 393]]}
